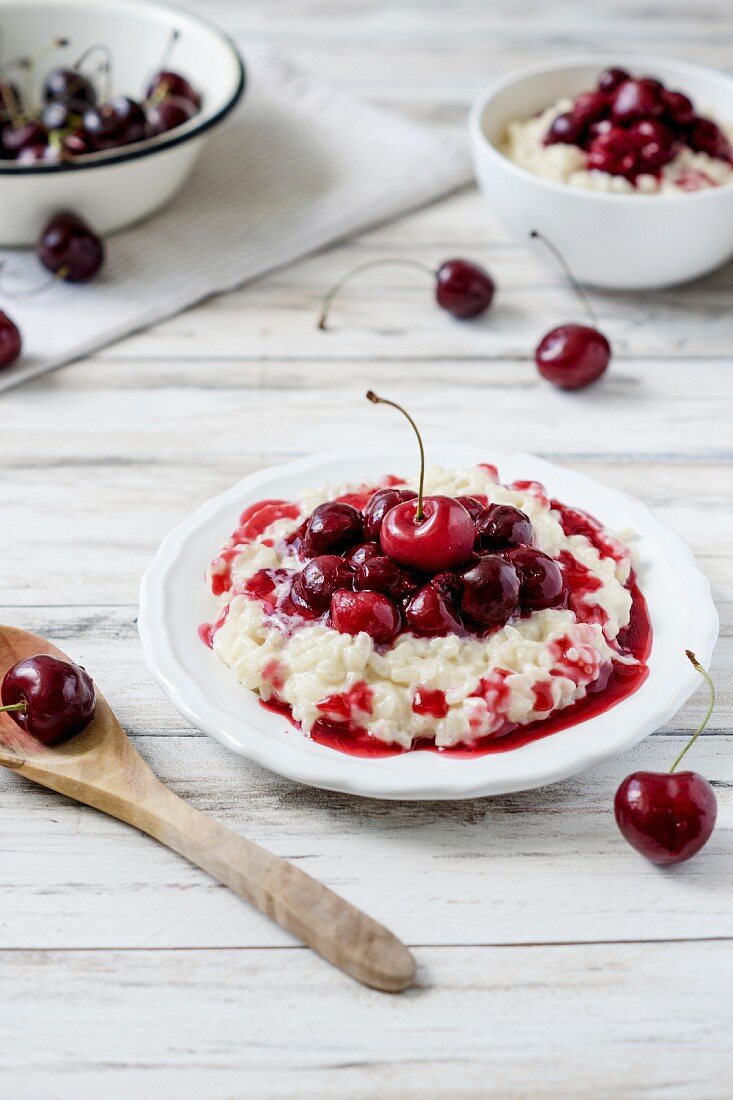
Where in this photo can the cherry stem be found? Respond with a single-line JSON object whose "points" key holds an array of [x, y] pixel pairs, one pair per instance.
{"points": [[709, 681], [106, 67], [338, 287], [14, 707], [537, 236], [32, 61], [168, 51], [375, 400]]}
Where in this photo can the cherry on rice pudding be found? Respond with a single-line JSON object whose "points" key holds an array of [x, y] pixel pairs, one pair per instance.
{"points": [[627, 135], [527, 620]]}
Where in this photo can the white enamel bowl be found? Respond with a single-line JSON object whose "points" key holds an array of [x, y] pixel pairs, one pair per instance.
{"points": [[618, 241], [114, 188], [175, 600]]}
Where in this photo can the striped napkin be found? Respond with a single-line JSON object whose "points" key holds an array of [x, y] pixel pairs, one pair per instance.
{"points": [[299, 166]]}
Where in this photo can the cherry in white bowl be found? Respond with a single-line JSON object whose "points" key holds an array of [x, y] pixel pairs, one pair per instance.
{"points": [[175, 601], [115, 187], [617, 241]]}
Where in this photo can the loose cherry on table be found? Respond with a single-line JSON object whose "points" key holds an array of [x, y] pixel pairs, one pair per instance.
{"points": [[462, 288], [430, 533], [70, 249], [51, 699], [669, 816], [572, 356], [10, 341]]}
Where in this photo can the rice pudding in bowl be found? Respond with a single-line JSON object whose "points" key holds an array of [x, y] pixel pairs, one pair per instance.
{"points": [[538, 626], [624, 135]]}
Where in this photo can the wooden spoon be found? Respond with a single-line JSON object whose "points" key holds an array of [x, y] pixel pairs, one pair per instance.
{"points": [[101, 767]]}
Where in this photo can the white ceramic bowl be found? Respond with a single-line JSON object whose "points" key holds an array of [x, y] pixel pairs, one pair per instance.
{"points": [[175, 600], [619, 241], [115, 188]]}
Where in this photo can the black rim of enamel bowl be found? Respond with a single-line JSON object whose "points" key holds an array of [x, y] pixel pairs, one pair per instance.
{"points": [[149, 146]]}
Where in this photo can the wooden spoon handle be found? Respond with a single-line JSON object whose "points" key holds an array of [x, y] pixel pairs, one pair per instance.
{"points": [[302, 906]]}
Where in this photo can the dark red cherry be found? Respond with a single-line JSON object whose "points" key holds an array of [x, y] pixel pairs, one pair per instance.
{"points": [[463, 289], [381, 574], [501, 525], [565, 129], [635, 99], [614, 151], [69, 248], [666, 816], [75, 144], [572, 356], [318, 580], [490, 591], [70, 87], [58, 116], [28, 135], [168, 113], [610, 79], [706, 137], [541, 579], [678, 108], [38, 154], [441, 540], [52, 700], [590, 107], [120, 122], [361, 553], [10, 341], [430, 612], [332, 527], [656, 144], [473, 507], [371, 612], [169, 83], [379, 504]]}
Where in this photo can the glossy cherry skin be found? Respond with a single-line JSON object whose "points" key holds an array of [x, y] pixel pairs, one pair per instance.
{"points": [[656, 144], [490, 591], [443, 539], [69, 86], [473, 507], [500, 526], [565, 129], [10, 341], [463, 289], [69, 247], [706, 137], [332, 527], [122, 121], [610, 79], [635, 99], [169, 83], [25, 136], [590, 107], [59, 697], [573, 356], [371, 612], [667, 816], [678, 108], [430, 612], [380, 574], [541, 578], [614, 151], [318, 580], [361, 553], [379, 504], [59, 116], [170, 112]]}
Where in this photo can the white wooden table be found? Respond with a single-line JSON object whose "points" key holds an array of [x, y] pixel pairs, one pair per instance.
{"points": [[553, 961]]}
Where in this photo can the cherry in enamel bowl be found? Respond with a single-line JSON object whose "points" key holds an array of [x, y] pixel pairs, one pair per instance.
{"points": [[621, 241], [113, 187], [175, 601]]}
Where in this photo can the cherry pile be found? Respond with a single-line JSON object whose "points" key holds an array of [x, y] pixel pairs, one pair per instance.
{"points": [[68, 118], [51, 699], [426, 564], [631, 127]]}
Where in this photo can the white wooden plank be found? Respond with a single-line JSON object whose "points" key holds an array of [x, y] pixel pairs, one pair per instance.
{"points": [[636, 1021], [541, 866]]}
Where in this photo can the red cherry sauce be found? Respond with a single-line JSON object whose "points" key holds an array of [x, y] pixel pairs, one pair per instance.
{"points": [[428, 701]]}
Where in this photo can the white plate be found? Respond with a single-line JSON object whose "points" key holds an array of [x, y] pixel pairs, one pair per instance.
{"points": [[175, 600]]}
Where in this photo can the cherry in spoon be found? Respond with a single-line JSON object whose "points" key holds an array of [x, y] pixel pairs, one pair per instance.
{"points": [[430, 533], [669, 816], [51, 699], [462, 288], [572, 356]]}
